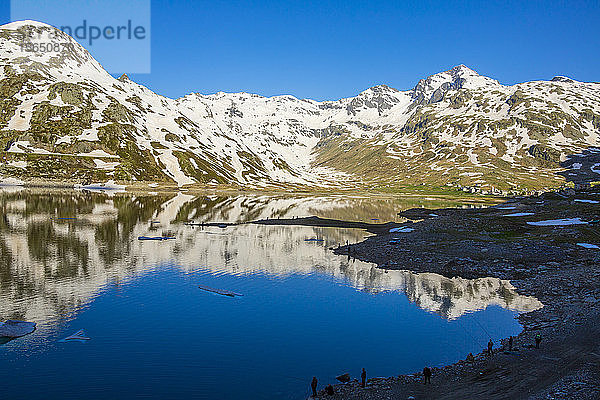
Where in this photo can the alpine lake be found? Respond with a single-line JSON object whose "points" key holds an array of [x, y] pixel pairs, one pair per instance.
{"points": [[72, 260]]}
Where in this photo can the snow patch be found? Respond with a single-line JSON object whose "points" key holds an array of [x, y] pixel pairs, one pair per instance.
{"points": [[97, 153], [559, 222], [64, 140], [11, 182], [588, 245], [18, 164], [521, 214], [107, 166], [586, 201], [401, 230]]}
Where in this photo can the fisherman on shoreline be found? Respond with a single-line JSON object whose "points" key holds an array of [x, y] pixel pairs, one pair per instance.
{"points": [[363, 377], [510, 343], [313, 386], [538, 339], [490, 348], [427, 375]]}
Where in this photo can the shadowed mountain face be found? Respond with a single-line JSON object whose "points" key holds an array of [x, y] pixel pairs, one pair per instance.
{"points": [[59, 250], [63, 117], [582, 168]]}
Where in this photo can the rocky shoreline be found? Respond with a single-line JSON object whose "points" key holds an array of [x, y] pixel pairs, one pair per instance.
{"points": [[554, 261]]}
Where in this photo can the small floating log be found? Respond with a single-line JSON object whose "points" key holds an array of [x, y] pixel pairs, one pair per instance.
{"points": [[217, 224], [219, 291], [155, 237]]}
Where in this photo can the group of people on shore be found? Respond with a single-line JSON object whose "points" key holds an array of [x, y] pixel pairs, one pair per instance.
{"points": [[363, 381], [538, 340], [426, 371], [329, 388]]}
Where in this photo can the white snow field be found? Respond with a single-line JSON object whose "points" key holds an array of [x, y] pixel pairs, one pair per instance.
{"points": [[588, 245], [559, 222], [401, 230], [521, 214]]}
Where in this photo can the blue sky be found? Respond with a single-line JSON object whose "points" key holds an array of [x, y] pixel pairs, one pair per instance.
{"points": [[333, 49]]}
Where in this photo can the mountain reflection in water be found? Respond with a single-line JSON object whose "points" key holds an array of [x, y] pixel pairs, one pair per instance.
{"points": [[51, 265]]}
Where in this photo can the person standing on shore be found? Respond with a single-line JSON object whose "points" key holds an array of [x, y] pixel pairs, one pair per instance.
{"points": [[490, 348], [427, 375], [313, 386], [510, 343], [363, 377], [538, 339]]}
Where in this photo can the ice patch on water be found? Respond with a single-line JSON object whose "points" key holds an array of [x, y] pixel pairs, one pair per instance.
{"points": [[78, 336], [15, 329]]}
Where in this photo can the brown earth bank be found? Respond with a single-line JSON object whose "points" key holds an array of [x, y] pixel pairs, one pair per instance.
{"points": [[542, 261]]}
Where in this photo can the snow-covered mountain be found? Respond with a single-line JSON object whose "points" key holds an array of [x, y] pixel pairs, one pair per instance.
{"points": [[62, 116]]}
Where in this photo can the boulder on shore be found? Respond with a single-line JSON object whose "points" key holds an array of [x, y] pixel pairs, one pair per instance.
{"points": [[345, 378]]}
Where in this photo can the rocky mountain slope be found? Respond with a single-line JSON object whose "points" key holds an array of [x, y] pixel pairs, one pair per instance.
{"points": [[63, 117]]}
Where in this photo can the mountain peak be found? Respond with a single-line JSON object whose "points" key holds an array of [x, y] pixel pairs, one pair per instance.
{"points": [[15, 25], [378, 89], [71, 58], [432, 88], [462, 69], [561, 78]]}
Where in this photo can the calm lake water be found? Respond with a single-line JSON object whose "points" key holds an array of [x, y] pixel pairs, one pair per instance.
{"points": [[155, 334]]}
